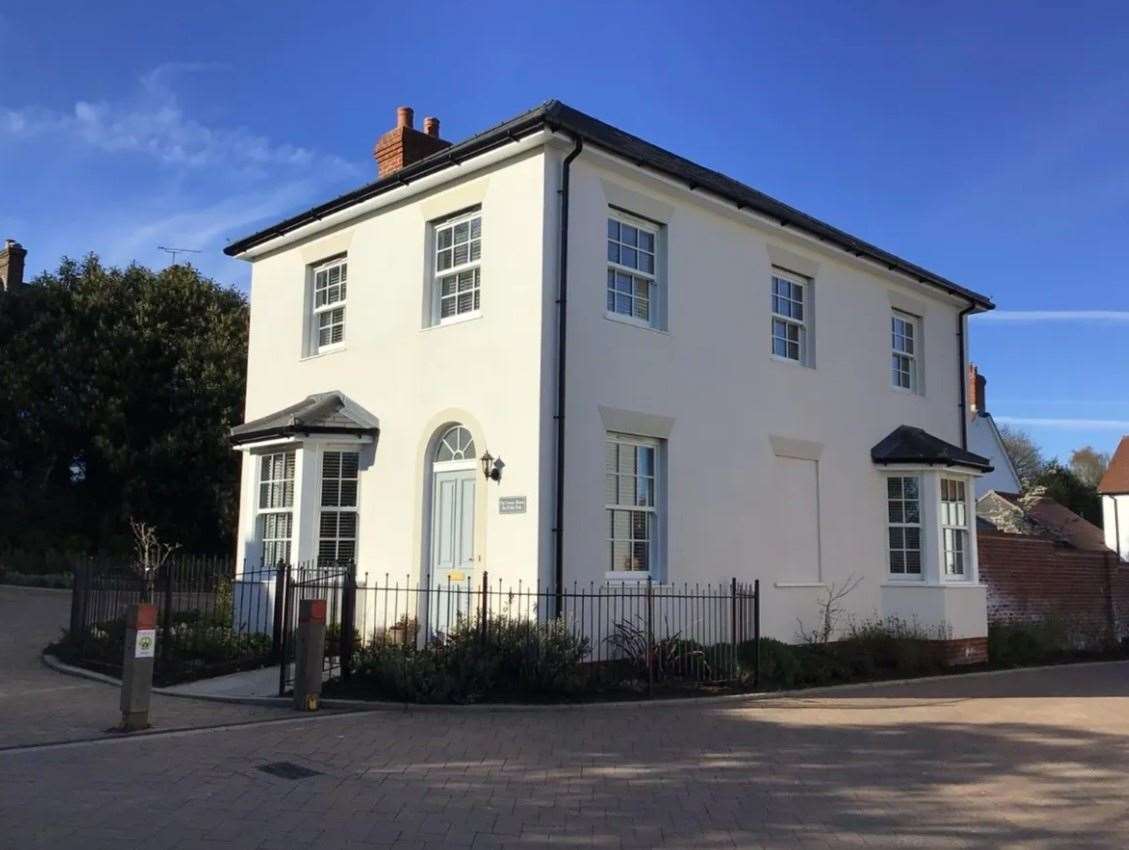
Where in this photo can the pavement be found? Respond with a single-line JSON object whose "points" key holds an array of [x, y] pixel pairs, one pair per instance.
{"points": [[39, 705], [1032, 759]]}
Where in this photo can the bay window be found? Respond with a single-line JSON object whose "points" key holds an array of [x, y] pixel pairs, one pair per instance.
{"points": [[276, 506], [337, 527], [954, 527], [903, 500]]}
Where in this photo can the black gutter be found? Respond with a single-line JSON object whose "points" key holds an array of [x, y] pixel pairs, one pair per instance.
{"points": [[963, 374], [562, 339]]}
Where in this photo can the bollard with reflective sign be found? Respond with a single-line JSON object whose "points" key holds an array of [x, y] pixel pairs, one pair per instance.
{"points": [[137, 666], [309, 654]]}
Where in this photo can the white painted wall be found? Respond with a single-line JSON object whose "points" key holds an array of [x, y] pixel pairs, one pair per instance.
{"points": [[730, 504], [749, 436], [1115, 521], [984, 439], [485, 373]]}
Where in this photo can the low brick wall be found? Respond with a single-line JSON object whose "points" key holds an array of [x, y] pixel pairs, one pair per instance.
{"points": [[958, 653], [1030, 579]]}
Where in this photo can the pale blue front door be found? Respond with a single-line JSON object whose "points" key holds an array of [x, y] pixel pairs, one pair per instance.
{"points": [[452, 547]]}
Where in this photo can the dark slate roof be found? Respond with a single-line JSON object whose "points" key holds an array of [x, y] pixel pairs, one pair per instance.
{"points": [[321, 413], [556, 116], [906, 444]]}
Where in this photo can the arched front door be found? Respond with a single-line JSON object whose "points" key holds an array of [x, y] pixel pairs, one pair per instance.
{"points": [[453, 477]]}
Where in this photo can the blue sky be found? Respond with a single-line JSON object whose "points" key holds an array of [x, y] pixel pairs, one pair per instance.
{"points": [[987, 144]]}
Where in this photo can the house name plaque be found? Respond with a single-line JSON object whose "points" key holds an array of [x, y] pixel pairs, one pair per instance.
{"points": [[511, 505]]}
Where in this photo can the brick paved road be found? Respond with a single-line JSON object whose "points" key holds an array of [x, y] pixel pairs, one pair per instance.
{"points": [[39, 705], [1031, 759]]}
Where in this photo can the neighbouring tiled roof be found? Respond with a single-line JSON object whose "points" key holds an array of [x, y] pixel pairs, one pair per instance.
{"points": [[906, 444], [1038, 515], [557, 116], [1116, 478], [321, 413]]}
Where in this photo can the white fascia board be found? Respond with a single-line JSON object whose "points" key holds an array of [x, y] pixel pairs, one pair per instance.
{"points": [[453, 172]]}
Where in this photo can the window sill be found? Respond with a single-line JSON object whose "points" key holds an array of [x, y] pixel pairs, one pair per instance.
{"points": [[457, 320], [790, 361], [905, 391], [634, 323], [638, 577], [324, 351]]}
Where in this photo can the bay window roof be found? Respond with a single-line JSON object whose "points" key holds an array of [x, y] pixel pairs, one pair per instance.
{"points": [[321, 413], [906, 445]]}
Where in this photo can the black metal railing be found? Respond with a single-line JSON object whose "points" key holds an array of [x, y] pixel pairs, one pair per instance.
{"points": [[705, 633], [211, 619]]}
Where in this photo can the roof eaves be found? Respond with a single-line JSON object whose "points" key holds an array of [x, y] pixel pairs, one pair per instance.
{"points": [[558, 116]]}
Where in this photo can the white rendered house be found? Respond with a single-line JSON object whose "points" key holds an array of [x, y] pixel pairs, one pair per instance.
{"points": [[984, 439], [1114, 488], [677, 377]]}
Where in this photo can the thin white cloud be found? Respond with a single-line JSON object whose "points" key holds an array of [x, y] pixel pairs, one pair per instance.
{"points": [[1118, 316], [152, 123], [1079, 424]]}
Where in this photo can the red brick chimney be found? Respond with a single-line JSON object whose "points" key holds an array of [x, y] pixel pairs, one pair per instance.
{"points": [[11, 265], [403, 144], [977, 390]]}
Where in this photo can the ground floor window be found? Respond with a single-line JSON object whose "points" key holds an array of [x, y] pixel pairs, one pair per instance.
{"points": [[337, 528], [903, 499], [632, 504], [954, 526], [275, 507]]}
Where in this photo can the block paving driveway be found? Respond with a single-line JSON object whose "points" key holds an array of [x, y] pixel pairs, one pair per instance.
{"points": [[1026, 759]]}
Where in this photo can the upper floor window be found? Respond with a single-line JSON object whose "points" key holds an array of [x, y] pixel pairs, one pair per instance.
{"points": [[904, 351], [457, 271], [954, 526], [903, 501], [632, 291], [276, 504], [791, 297], [328, 305], [632, 504]]}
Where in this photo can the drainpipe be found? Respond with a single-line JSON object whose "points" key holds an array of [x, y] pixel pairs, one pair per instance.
{"points": [[963, 375], [562, 326]]}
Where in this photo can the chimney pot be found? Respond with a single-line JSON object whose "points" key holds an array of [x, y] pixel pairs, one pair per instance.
{"points": [[403, 144]]}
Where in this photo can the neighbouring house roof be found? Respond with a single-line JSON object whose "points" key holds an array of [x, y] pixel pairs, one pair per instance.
{"points": [[1116, 478], [1038, 515], [321, 413], [556, 116], [906, 444]]}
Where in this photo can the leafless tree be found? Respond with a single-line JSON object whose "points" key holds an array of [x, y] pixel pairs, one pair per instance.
{"points": [[1024, 453], [830, 611], [150, 554]]}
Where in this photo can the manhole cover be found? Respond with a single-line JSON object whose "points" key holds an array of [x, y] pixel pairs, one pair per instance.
{"points": [[288, 770]]}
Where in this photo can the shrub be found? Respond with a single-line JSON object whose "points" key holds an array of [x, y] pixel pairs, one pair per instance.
{"points": [[1020, 644], [513, 657]]}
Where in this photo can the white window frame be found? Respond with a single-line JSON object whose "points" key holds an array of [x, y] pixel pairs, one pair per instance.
{"points": [[314, 345], [803, 324], [472, 266], [262, 512], [953, 521], [913, 356], [652, 279], [905, 575], [339, 509], [657, 510]]}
